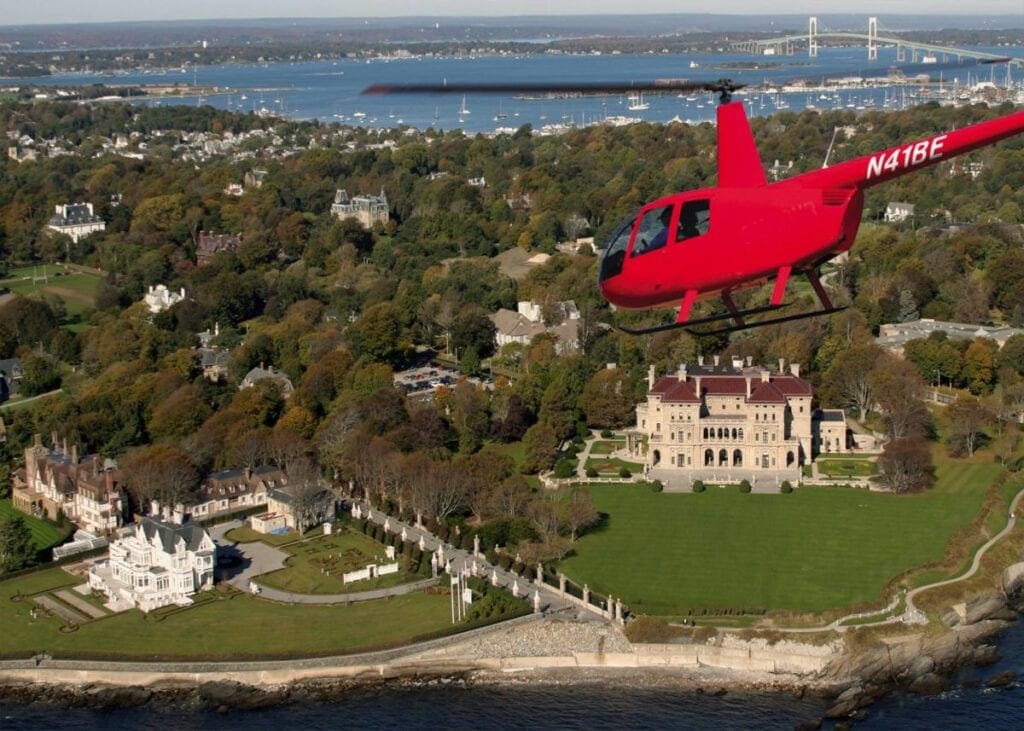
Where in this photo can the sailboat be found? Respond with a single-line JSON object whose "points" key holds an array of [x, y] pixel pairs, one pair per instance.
{"points": [[463, 110], [500, 115], [637, 103]]}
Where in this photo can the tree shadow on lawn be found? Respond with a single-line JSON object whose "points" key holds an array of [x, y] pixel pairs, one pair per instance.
{"points": [[231, 562]]}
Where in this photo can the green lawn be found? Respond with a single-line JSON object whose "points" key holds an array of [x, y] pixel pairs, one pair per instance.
{"points": [[612, 466], [815, 549], [221, 627], [44, 533], [846, 467], [607, 446], [316, 566]]}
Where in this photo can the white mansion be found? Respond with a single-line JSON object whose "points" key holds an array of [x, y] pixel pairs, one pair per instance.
{"points": [[732, 421], [77, 220], [154, 563]]}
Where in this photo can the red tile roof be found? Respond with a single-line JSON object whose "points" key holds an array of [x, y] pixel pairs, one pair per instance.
{"points": [[766, 393], [776, 390]]}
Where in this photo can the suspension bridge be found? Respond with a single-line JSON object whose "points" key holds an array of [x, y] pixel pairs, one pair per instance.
{"points": [[918, 52]]}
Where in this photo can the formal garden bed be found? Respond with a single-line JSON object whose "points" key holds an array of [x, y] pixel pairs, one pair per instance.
{"points": [[846, 468], [612, 467], [607, 446]]}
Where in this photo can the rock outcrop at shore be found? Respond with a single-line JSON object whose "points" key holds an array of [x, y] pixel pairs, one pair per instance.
{"points": [[924, 663]]}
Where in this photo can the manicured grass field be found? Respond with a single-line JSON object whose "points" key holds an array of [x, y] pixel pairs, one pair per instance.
{"points": [[316, 566], [233, 626], [606, 446], [612, 466], [815, 549], [77, 289], [44, 534], [846, 467]]}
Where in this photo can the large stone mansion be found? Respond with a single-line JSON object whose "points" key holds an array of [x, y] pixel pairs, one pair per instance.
{"points": [[732, 421]]}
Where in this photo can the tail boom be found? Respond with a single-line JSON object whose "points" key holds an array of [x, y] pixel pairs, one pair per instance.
{"points": [[864, 172]]}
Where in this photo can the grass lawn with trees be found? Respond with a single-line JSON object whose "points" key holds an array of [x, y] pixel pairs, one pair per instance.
{"points": [[77, 289], [219, 627], [815, 549], [44, 533], [338, 553]]}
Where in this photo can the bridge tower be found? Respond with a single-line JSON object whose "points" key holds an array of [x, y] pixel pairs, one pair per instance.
{"points": [[872, 39], [812, 37]]}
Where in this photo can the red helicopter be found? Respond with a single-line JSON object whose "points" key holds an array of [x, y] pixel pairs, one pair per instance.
{"points": [[744, 232]]}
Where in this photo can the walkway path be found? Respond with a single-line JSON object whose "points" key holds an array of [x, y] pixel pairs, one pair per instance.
{"points": [[549, 599], [278, 595]]}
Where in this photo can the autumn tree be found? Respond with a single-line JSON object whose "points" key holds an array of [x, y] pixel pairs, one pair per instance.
{"points": [[160, 472], [578, 512], [899, 395], [967, 419], [906, 464], [848, 381], [608, 400], [310, 500], [541, 446]]}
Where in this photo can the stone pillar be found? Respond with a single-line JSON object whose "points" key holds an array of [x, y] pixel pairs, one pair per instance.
{"points": [[494, 577], [618, 610], [586, 594], [423, 543], [540, 575], [387, 523], [356, 513], [561, 584], [419, 520], [405, 534], [433, 565], [536, 602], [476, 546], [515, 588]]}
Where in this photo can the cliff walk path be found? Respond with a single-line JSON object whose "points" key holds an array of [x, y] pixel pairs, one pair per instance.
{"points": [[911, 614]]}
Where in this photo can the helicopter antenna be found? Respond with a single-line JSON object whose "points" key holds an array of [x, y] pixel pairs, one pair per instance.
{"points": [[828, 153]]}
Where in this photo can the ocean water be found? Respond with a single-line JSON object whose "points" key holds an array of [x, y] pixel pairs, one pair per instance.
{"points": [[330, 90], [590, 705]]}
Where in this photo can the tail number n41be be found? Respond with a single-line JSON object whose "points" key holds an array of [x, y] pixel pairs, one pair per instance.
{"points": [[906, 156]]}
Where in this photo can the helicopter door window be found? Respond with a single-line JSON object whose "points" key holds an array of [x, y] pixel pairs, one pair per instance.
{"points": [[615, 252], [653, 232], [694, 219]]}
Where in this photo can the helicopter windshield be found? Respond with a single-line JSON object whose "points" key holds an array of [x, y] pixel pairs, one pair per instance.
{"points": [[615, 251]]}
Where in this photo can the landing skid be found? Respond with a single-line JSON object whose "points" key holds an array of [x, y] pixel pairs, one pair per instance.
{"points": [[760, 323]]}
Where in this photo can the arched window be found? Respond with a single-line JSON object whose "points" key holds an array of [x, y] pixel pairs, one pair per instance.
{"points": [[790, 459], [657, 458], [734, 432], [741, 432], [705, 433], [709, 457], [737, 458], [723, 458]]}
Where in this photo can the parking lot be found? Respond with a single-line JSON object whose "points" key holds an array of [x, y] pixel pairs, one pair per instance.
{"points": [[423, 380]]}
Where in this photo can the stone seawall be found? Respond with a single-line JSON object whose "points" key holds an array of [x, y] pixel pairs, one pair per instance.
{"points": [[527, 644]]}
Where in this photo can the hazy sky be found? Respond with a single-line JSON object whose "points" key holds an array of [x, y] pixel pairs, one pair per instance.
{"points": [[63, 11]]}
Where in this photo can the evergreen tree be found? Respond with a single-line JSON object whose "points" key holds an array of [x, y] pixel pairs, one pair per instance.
{"points": [[16, 548]]}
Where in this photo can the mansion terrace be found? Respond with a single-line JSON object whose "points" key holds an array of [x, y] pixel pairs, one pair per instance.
{"points": [[732, 421]]}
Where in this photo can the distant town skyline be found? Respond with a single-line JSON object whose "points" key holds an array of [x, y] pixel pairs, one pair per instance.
{"points": [[67, 11]]}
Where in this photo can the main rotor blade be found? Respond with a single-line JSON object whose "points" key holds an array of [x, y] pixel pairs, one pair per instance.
{"points": [[569, 87]]}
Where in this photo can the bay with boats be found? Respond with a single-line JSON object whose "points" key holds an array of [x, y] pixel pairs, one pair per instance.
{"points": [[330, 90]]}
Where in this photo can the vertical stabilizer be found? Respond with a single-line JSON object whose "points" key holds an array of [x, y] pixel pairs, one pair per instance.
{"points": [[739, 164]]}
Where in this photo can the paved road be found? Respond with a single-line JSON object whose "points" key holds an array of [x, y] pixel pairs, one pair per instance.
{"points": [[459, 560], [255, 558]]}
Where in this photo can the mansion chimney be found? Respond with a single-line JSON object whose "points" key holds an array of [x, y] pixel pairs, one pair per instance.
{"points": [[782, 365], [716, 359], [747, 379], [700, 360], [681, 373], [765, 375], [794, 369], [650, 378]]}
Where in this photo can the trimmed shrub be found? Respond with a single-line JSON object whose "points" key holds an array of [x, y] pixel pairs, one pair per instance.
{"points": [[564, 468], [744, 485], [785, 487], [656, 486], [591, 472], [698, 486], [607, 434], [624, 473]]}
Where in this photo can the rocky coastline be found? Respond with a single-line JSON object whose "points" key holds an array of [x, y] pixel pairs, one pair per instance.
{"points": [[923, 661]]}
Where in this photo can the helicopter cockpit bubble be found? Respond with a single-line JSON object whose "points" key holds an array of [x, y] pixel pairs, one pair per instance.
{"points": [[615, 252]]}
